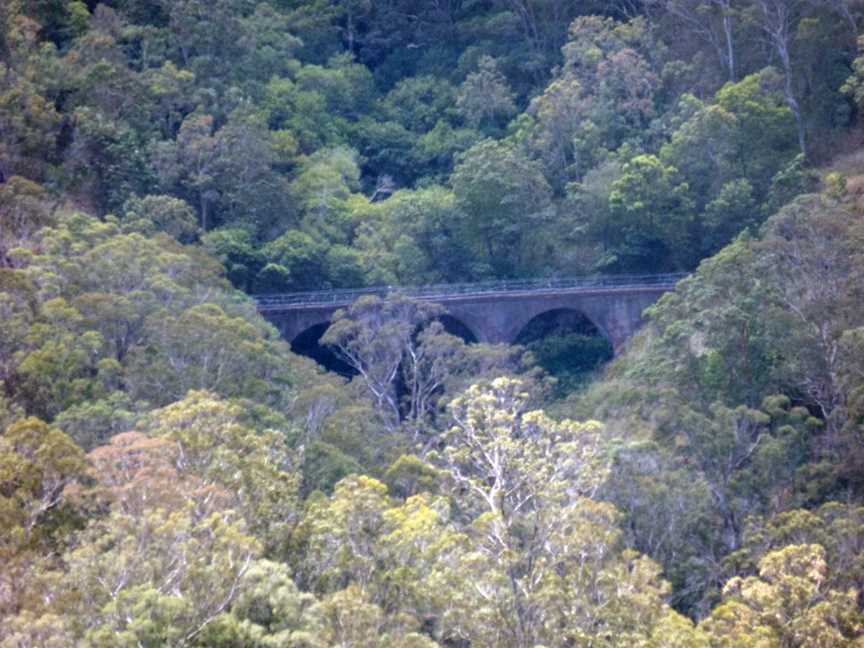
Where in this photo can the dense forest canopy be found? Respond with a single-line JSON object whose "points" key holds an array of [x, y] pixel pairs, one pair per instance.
{"points": [[171, 474], [357, 142]]}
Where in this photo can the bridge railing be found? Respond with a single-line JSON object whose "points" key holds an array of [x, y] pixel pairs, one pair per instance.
{"points": [[448, 291]]}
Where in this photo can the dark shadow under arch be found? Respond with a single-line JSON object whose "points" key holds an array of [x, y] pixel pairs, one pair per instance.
{"points": [[456, 327], [567, 345], [308, 343], [557, 319]]}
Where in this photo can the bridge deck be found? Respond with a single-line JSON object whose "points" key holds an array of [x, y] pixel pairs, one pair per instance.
{"points": [[603, 284]]}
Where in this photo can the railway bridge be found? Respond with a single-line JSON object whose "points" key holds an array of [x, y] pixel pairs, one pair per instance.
{"points": [[495, 311]]}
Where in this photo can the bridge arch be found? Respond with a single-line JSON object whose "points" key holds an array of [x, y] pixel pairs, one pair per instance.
{"points": [[455, 326], [568, 345], [560, 318], [532, 310], [306, 341], [500, 319]]}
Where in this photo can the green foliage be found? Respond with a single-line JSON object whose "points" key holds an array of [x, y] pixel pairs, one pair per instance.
{"points": [[160, 213], [236, 250], [762, 317], [651, 212], [853, 85], [504, 197], [273, 118], [414, 236], [92, 423], [570, 358], [786, 605], [37, 463], [233, 494], [122, 565], [379, 340], [253, 468], [602, 97], [122, 314], [484, 98], [30, 125]]}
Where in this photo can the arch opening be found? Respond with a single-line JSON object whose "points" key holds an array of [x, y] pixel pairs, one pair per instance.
{"points": [[458, 328], [568, 346], [308, 343]]}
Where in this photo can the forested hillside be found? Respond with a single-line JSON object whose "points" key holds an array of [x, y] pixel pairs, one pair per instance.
{"points": [[172, 474]]}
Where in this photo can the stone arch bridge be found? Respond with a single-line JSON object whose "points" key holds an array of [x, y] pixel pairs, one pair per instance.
{"points": [[494, 311]]}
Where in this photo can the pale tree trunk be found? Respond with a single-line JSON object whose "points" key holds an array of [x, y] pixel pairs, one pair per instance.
{"points": [[791, 100], [842, 8], [203, 206], [725, 7], [350, 27], [705, 26], [777, 25]]}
